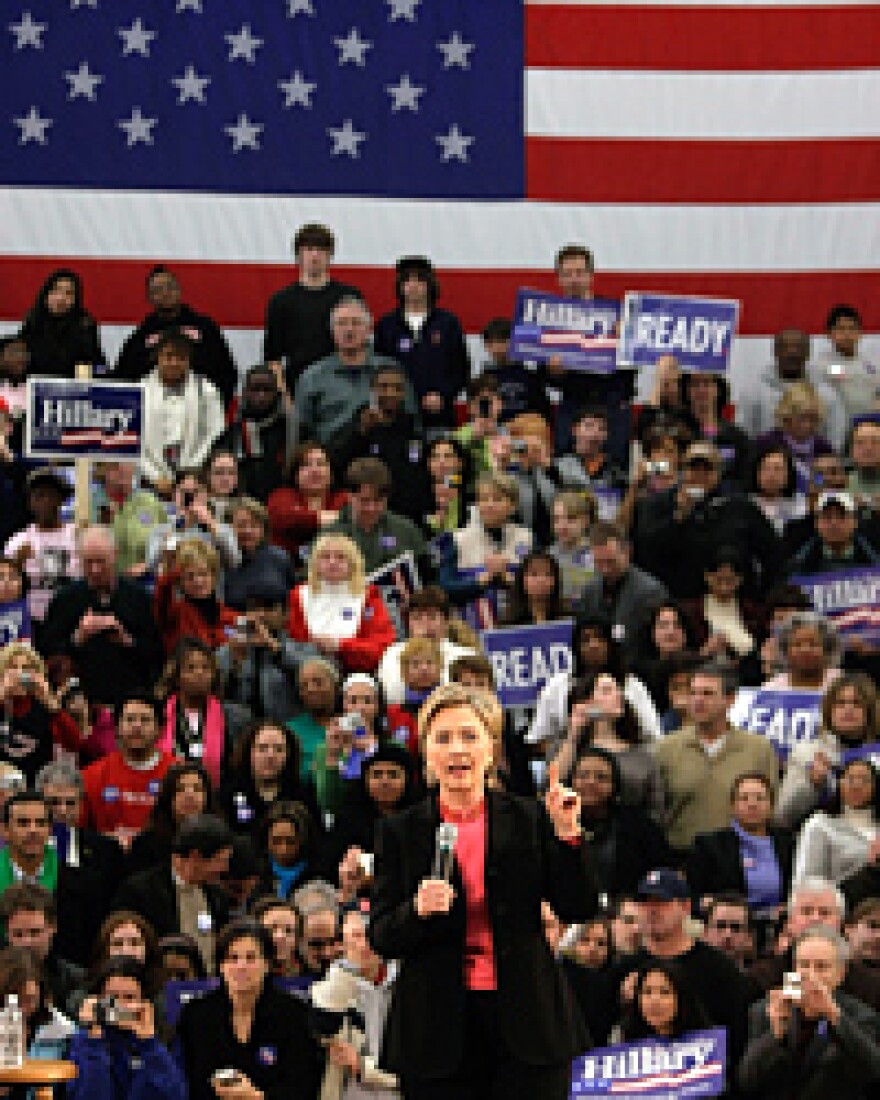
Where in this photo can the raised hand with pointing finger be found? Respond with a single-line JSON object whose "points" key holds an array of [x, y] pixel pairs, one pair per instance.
{"points": [[563, 806]]}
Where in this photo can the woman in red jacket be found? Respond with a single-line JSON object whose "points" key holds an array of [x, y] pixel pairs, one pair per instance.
{"points": [[185, 602], [337, 611], [297, 512]]}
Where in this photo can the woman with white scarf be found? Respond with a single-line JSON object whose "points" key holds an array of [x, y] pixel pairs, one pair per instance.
{"points": [[183, 415], [337, 611]]}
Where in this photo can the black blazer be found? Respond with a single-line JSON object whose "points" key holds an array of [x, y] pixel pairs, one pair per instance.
{"points": [[84, 894], [844, 1062], [279, 1057], [715, 864], [152, 895], [525, 863]]}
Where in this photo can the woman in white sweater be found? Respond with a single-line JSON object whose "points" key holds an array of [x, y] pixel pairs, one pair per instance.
{"points": [[836, 844]]}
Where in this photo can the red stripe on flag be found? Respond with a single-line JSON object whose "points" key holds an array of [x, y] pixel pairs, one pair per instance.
{"points": [[648, 171], [718, 39], [236, 294]]}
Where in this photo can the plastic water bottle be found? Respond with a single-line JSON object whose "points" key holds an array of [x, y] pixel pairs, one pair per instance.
{"points": [[11, 1034]]}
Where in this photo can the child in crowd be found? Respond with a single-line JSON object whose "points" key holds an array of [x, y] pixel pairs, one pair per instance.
{"points": [[574, 512], [47, 548]]}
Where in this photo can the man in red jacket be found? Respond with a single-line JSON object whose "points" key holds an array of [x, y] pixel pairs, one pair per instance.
{"points": [[120, 788]]}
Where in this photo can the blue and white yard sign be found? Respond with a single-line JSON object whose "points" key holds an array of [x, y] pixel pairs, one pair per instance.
{"points": [[581, 333], [693, 1065], [848, 598], [69, 419], [699, 332], [525, 657], [785, 718]]}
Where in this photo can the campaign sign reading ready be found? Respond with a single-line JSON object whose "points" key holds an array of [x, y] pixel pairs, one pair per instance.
{"points": [[525, 657], [581, 333], [70, 419], [785, 718], [849, 598], [659, 1070], [699, 332]]}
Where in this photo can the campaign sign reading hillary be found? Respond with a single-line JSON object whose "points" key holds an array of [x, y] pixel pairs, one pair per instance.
{"points": [[72, 419], [672, 1070], [581, 333], [525, 657], [785, 718], [697, 331], [849, 598]]}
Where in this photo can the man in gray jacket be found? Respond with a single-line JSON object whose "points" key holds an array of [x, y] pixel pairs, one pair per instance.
{"points": [[807, 1039], [620, 592]]}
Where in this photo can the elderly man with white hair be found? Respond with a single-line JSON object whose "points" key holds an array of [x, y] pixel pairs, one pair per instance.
{"points": [[808, 1038], [103, 624], [332, 391], [816, 903]]}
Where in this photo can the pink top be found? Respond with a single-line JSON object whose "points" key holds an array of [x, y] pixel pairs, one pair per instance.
{"points": [[470, 851]]}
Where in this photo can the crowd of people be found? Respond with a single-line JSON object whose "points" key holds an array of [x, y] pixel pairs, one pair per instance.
{"points": [[228, 740]]}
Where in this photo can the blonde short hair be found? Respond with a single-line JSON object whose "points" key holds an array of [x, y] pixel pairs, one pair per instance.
{"points": [[578, 503], [416, 648], [357, 581], [194, 551], [21, 649], [799, 397], [253, 507], [529, 424], [503, 484], [484, 704]]}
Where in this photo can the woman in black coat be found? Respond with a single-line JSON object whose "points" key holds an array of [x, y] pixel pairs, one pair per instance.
{"points": [[249, 1026], [387, 784], [58, 330], [624, 841], [481, 1010]]}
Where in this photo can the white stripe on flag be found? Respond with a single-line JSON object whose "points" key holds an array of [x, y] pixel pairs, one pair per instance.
{"points": [[469, 235], [693, 106]]}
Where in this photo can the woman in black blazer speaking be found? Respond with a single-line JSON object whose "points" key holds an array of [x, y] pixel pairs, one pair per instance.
{"points": [[481, 1010]]}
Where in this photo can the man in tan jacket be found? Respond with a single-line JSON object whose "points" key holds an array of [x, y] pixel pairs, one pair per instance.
{"points": [[700, 762]]}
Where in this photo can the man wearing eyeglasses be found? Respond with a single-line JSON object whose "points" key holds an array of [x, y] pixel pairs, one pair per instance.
{"points": [[729, 928]]}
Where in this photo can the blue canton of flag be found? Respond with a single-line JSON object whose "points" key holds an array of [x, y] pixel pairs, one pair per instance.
{"points": [[414, 98]]}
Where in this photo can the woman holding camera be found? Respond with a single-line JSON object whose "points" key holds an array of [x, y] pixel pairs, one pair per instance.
{"points": [[31, 721], [480, 1010], [117, 1052], [247, 1040]]}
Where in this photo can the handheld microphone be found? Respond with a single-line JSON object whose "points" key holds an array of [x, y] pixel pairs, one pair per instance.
{"points": [[447, 834]]}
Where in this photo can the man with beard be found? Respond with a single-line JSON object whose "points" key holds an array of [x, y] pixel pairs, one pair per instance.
{"points": [[263, 435], [211, 355]]}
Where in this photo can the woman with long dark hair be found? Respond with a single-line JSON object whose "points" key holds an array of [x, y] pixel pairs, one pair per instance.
{"points": [[624, 841], [184, 792], [599, 715], [195, 722], [58, 330], [595, 650], [664, 1006], [265, 769], [536, 596], [286, 846]]}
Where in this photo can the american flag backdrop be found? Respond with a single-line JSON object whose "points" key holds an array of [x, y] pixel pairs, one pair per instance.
{"points": [[725, 149]]}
